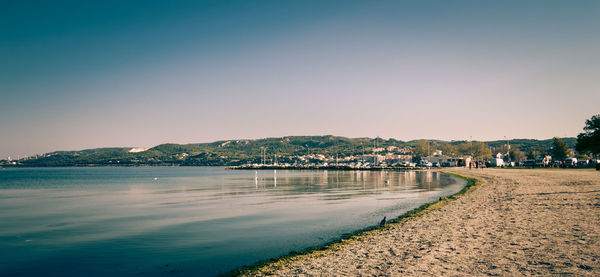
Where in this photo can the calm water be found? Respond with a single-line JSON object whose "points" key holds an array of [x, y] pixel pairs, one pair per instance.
{"points": [[189, 221]]}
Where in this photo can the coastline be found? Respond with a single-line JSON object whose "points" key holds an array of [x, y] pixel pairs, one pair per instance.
{"points": [[516, 222], [257, 268], [332, 167]]}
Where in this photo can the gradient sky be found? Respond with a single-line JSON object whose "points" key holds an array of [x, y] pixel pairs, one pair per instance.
{"points": [[86, 74]]}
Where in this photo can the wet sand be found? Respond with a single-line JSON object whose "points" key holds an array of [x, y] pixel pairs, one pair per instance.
{"points": [[518, 222]]}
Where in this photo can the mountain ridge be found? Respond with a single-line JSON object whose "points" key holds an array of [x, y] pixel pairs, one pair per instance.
{"points": [[242, 151]]}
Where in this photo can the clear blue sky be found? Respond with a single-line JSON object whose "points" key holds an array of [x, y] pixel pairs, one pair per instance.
{"points": [[85, 74]]}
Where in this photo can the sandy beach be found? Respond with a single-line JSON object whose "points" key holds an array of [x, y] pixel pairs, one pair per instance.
{"points": [[517, 222]]}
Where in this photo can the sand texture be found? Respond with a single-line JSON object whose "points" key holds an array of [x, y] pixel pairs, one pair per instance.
{"points": [[519, 222]]}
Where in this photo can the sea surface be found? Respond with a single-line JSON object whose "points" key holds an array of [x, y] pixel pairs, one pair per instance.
{"points": [[189, 221]]}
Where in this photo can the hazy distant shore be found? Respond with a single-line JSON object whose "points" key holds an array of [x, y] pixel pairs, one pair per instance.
{"points": [[524, 222], [236, 167]]}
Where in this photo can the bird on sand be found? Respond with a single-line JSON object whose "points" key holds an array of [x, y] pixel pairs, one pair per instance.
{"points": [[382, 223]]}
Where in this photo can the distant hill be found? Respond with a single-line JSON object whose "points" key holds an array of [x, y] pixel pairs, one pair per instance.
{"points": [[532, 144], [236, 152]]}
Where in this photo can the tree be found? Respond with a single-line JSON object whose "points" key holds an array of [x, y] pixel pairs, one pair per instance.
{"points": [[515, 154], [477, 149], [481, 150], [448, 149], [421, 149], [532, 154], [589, 140], [582, 157], [502, 148], [465, 148], [559, 150]]}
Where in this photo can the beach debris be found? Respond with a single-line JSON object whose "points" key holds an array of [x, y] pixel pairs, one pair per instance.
{"points": [[382, 223]]}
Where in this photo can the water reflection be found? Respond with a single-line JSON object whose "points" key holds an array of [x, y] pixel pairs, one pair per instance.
{"points": [[201, 221], [294, 182]]}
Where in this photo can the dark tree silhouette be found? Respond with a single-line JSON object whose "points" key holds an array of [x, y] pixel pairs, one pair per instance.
{"points": [[559, 150], [589, 140]]}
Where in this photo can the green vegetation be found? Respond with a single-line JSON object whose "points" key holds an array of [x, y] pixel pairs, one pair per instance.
{"points": [[532, 154], [589, 140], [480, 150], [559, 150], [422, 149], [526, 145], [284, 150], [516, 154]]}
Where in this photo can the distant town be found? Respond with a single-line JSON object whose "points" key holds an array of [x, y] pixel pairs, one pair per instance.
{"points": [[304, 152], [406, 157]]}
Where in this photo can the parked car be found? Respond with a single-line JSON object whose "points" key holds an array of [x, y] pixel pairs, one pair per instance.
{"points": [[449, 164], [571, 162], [425, 163], [407, 164], [528, 163]]}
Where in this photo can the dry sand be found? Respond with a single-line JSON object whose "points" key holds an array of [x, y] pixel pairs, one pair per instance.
{"points": [[519, 222]]}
